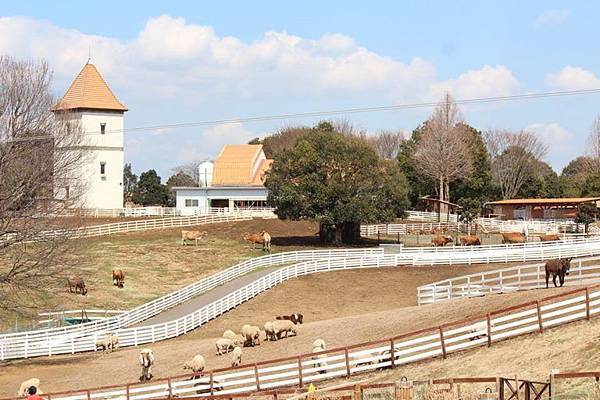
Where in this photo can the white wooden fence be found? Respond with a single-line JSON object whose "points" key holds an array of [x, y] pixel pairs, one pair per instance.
{"points": [[302, 369], [71, 339], [584, 271], [429, 216], [130, 212], [501, 253]]}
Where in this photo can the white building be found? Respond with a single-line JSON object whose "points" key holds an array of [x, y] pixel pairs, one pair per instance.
{"points": [[234, 180], [90, 101]]}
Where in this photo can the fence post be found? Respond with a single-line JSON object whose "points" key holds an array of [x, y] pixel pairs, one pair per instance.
{"points": [[212, 386], [300, 371], [489, 330], [256, 376], [357, 392], [587, 303], [127, 391], [539, 315], [442, 342], [88, 395], [170, 388], [347, 362], [392, 353]]}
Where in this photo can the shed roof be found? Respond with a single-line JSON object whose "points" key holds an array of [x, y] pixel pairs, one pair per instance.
{"points": [[550, 201], [240, 164], [89, 91]]}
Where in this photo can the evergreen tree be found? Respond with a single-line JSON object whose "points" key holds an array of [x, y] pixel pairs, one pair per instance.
{"points": [[150, 191]]}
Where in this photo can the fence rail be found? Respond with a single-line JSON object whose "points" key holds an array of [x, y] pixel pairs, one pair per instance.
{"points": [[523, 277], [424, 344], [82, 337]]}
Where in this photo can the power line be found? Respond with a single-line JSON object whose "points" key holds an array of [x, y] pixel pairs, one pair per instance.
{"points": [[480, 100]]}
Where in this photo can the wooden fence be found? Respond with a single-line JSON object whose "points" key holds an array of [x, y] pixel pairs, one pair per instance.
{"points": [[424, 344], [584, 271]]}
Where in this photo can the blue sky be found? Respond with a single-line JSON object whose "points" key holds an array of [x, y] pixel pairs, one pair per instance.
{"points": [[182, 61]]}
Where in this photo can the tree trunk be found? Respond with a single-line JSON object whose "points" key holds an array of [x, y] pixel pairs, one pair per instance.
{"points": [[338, 234]]}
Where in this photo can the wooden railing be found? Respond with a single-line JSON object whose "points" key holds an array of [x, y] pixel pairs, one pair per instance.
{"points": [[303, 369]]}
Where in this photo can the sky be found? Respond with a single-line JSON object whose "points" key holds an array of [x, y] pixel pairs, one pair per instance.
{"points": [[175, 62]]}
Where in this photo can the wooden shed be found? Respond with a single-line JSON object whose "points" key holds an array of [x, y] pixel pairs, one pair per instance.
{"points": [[528, 209]]}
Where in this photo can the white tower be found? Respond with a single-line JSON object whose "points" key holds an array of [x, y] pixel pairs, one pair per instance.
{"points": [[90, 101]]}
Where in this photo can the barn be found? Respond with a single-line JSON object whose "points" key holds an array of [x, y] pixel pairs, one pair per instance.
{"points": [[548, 208], [234, 180]]}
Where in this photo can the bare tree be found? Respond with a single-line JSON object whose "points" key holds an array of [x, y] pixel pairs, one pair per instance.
{"points": [[442, 152], [190, 169], [593, 147], [387, 143], [41, 158], [515, 157]]}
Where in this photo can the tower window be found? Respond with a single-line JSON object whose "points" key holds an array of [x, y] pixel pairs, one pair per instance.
{"points": [[102, 168], [102, 128]]}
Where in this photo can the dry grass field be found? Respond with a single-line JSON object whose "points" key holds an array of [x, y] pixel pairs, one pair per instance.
{"points": [[336, 309]]}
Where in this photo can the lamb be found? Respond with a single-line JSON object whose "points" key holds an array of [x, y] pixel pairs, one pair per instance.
{"points": [[251, 335], [320, 343], [23, 389], [223, 346], [284, 326], [196, 364], [269, 331], [108, 344], [236, 359], [146, 362], [321, 358]]}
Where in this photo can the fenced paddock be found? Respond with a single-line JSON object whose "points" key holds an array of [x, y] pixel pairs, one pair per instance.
{"points": [[424, 344], [584, 271], [77, 338]]}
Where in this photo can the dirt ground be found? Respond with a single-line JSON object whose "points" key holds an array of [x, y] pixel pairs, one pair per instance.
{"points": [[335, 308]]}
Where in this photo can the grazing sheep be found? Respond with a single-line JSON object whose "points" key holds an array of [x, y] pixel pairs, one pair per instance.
{"points": [[549, 238], [196, 364], [146, 362], [251, 335], [236, 358], [320, 343], [284, 326], [363, 359], [296, 318], [224, 345], [322, 363], [469, 240], [23, 389], [269, 331], [78, 284], [229, 334], [441, 241], [118, 277]]}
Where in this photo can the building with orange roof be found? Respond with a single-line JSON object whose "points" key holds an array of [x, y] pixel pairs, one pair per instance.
{"points": [[91, 103], [234, 180], [547, 208]]}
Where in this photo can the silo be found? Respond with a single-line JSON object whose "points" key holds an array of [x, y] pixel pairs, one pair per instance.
{"points": [[205, 173]]}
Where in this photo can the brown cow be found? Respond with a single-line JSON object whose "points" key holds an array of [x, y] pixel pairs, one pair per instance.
{"points": [[441, 241], [118, 277], [558, 267], [192, 235], [549, 238], [77, 283], [469, 240], [513, 237], [262, 238]]}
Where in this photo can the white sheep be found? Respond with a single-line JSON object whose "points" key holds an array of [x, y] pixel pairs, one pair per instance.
{"points": [[146, 362], [108, 343], [236, 359], [322, 364], [251, 335], [224, 345], [269, 332], [281, 326], [363, 360], [24, 388], [229, 334], [319, 343], [196, 364]]}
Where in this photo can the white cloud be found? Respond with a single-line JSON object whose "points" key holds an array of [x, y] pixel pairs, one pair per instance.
{"points": [[485, 82], [573, 78], [552, 17], [551, 133], [161, 131]]}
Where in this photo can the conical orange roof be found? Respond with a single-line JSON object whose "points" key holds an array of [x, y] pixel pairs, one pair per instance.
{"points": [[90, 91]]}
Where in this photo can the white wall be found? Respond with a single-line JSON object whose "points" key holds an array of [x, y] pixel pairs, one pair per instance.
{"points": [[204, 195], [103, 191]]}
